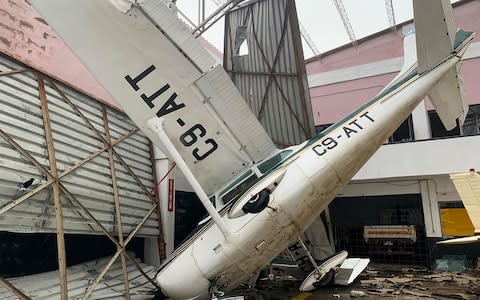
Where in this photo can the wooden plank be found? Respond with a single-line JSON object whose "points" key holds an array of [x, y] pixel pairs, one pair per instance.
{"points": [[62, 266], [13, 289], [6, 73], [116, 197]]}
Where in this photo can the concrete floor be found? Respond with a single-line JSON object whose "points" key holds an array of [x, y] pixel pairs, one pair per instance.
{"points": [[378, 282]]}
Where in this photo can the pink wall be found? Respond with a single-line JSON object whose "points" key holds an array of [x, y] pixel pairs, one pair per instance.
{"points": [[382, 47], [333, 101], [25, 36]]}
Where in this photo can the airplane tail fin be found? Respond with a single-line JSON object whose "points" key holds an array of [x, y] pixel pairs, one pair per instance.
{"points": [[437, 38]]}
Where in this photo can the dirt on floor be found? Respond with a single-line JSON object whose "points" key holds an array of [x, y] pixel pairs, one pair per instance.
{"points": [[377, 281]]}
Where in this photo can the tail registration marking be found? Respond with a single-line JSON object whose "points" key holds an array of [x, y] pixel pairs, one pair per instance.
{"points": [[349, 129], [191, 136]]}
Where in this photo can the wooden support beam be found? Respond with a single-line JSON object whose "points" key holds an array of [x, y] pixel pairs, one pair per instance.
{"points": [[101, 274], [96, 153], [129, 170], [116, 197], [62, 267], [25, 153], [16, 202], [77, 203], [13, 289], [79, 113], [143, 272], [6, 73]]}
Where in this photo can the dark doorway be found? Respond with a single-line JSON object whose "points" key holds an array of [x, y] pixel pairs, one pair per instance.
{"points": [[30, 253], [353, 216], [188, 212]]}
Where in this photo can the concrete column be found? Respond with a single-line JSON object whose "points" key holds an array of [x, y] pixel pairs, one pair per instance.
{"points": [[152, 256], [421, 123], [162, 165], [431, 211]]}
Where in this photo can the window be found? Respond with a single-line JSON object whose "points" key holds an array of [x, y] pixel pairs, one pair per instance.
{"points": [[404, 133], [273, 161], [241, 43], [240, 189], [470, 127], [472, 121], [321, 128], [437, 128]]}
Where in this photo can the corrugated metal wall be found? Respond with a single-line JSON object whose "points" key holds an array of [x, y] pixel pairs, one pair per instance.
{"points": [[272, 76], [75, 143]]}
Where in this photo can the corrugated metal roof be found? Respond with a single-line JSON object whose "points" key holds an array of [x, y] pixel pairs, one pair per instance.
{"points": [[74, 140], [272, 76], [80, 277]]}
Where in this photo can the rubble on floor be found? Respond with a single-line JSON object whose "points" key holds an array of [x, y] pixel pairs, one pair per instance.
{"points": [[375, 282]]}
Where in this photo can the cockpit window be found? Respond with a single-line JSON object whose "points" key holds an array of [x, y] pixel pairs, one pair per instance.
{"points": [[273, 161], [240, 189]]}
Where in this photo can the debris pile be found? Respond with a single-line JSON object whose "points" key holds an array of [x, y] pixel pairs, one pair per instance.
{"points": [[417, 283]]}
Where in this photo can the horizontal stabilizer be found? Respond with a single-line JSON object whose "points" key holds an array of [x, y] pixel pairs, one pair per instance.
{"points": [[468, 187], [448, 98]]}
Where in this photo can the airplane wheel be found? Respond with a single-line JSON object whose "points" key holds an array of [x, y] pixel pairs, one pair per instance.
{"points": [[257, 203]]}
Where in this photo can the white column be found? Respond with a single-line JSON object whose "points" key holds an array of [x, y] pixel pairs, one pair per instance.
{"points": [[421, 123], [151, 246], [431, 211]]}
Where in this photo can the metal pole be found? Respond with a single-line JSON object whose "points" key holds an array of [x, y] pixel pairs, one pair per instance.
{"points": [[62, 266], [156, 125]]}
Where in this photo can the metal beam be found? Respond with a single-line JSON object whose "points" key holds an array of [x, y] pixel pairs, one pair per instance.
{"points": [[391, 14], [215, 16], [308, 40], [346, 21]]}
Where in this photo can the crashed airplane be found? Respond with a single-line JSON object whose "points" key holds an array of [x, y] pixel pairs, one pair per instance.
{"points": [[259, 198]]}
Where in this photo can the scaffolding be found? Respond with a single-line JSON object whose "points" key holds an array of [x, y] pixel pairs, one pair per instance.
{"points": [[112, 145]]}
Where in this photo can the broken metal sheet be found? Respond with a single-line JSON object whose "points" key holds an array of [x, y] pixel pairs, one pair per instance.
{"points": [[21, 119], [80, 277]]}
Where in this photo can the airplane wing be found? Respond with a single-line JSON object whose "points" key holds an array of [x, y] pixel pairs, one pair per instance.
{"points": [[468, 187], [153, 67]]}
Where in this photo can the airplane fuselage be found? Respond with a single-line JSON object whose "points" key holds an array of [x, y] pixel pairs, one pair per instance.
{"points": [[311, 177]]}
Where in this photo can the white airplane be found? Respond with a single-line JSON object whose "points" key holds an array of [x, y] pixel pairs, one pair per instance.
{"points": [[260, 199], [468, 187]]}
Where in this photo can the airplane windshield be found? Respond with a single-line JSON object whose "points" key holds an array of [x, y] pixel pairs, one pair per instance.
{"points": [[273, 161], [239, 189]]}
